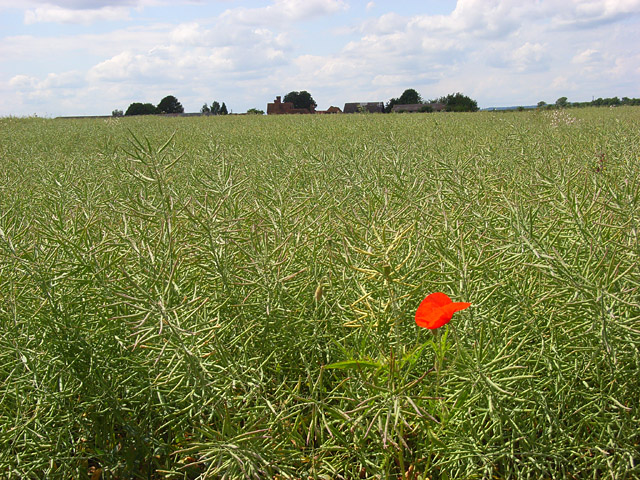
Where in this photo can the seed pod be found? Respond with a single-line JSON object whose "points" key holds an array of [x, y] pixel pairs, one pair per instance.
{"points": [[386, 271]]}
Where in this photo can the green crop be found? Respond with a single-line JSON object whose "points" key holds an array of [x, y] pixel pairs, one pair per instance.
{"points": [[234, 297]]}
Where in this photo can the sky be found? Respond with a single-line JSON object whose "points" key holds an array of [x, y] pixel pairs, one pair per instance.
{"points": [[90, 57]]}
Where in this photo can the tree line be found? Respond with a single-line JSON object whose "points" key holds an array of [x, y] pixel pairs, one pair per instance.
{"points": [[214, 109], [454, 102], [169, 104], [563, 102]]}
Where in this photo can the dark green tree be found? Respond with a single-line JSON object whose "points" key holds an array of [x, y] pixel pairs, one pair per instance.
{"points": [[138, 108], [562, 102], [205, 110], [408, 97], [457, 102], [255, 111], [301, 99], [170, 104], [215, 108], [223, 109]]}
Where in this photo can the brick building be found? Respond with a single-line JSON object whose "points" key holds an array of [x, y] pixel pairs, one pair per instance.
{"points": [[278, 107]]}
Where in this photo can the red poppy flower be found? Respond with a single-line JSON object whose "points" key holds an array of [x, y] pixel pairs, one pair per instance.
{"points": [[436, 310]]}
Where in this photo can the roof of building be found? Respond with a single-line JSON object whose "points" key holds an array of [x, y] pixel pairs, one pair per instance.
{"points": [[418, 107], [371, 107]]}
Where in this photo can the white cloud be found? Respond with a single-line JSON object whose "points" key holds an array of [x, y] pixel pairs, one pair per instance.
{"points": [[51, 81], [497, 51], [77, 11], [73, 4], [187, 33], [529, 56], [285, 11], [56, 14], [563, 83], [78, 4], [591, 13], [588, 56], [21, 82], [190, 52], [54, 87]]}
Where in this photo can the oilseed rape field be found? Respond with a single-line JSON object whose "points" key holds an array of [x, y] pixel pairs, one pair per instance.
{"points": [[235, 297]]}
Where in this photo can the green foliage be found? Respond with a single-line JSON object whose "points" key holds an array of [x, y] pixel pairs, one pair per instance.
{"points": [[215, 108], [408, 97], [301, 99], [562, 102], [223, 110], [205, 110], [182, 305], [170, 104], [457, 102], [255, 111], [138, 108], [601, 102]]}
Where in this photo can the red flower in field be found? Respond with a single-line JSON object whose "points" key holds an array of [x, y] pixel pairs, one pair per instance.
{"points": [[436, 310]]}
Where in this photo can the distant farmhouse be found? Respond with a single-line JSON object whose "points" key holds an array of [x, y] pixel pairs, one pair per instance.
{"points": [[418, 107], [331, 109], [358, 107], [278, 107]]}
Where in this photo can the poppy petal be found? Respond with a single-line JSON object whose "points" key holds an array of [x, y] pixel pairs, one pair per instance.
{"points": [[432, 318], [436, 310], [456, 307], [438, 299]]}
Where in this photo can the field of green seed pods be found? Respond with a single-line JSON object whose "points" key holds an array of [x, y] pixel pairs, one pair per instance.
{"points": [[234, 297]]}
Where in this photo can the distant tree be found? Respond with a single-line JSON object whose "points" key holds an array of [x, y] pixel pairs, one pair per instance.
{"points": [[542, 104], [409, 97], [117, 113], [562, 102], [223, 109], [138, 108], [215, 108], [301, 99], [255, 111], [390, 104], [457, 102], [170, 104], [205, 110]]}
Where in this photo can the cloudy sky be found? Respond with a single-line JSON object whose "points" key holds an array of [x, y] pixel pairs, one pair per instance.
{"points": [[84, 57]]}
